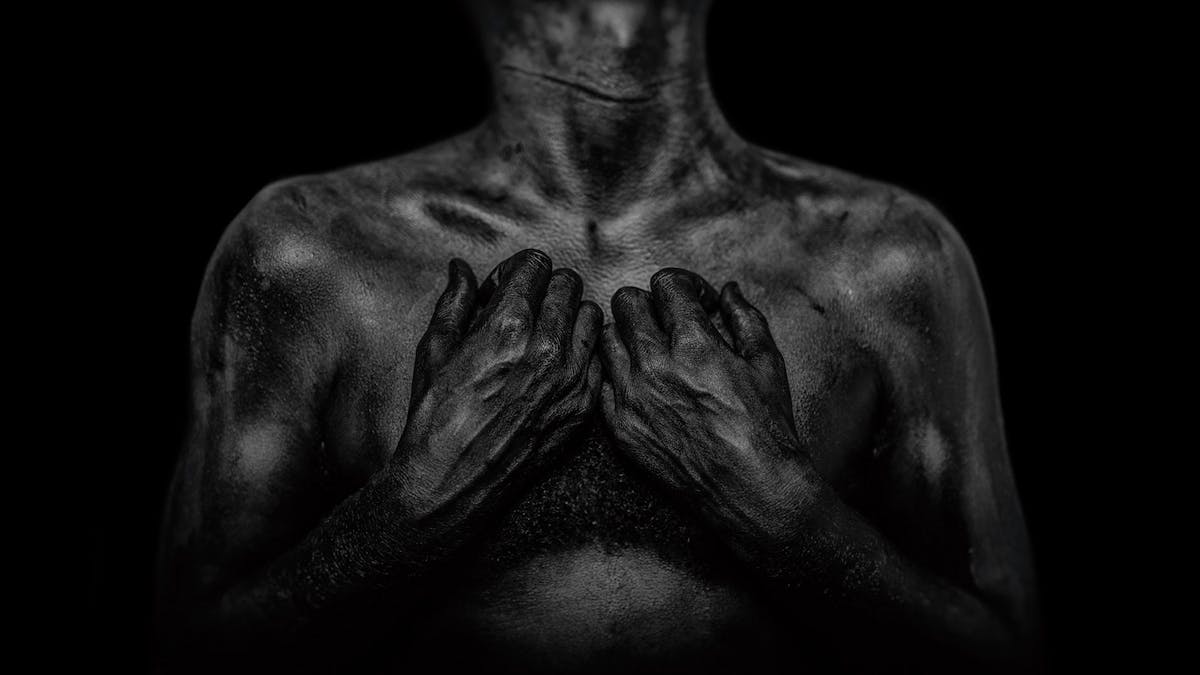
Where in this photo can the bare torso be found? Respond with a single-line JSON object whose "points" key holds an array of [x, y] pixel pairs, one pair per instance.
{"points": [[594, 562], [319, 519]]}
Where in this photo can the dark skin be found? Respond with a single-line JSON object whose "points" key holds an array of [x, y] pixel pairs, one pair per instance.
{"points": [[503, 376], [350, 458], [711, 419]]}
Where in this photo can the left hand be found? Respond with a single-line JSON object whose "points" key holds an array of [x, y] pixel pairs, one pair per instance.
{"points": [[711, 421]]}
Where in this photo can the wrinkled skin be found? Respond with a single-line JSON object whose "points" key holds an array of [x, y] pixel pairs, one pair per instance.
{"points": [[388, 468], [711, 419], [497, 389]]}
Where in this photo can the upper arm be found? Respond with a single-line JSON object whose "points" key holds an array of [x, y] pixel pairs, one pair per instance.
{"points": [[949, 497], [262, 356]]}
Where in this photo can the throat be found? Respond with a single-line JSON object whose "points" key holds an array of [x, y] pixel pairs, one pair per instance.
{"points": [[643, 93], [608, 102]]}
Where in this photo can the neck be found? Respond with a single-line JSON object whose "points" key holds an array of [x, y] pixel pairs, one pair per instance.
{"points": [[608, 102]]}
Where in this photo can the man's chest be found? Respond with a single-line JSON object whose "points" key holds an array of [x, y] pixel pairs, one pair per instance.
{"points": [[393, 294]]}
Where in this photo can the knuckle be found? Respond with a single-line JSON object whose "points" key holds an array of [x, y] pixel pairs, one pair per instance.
{"points": [[512, 323], [689, 341], [648, 349], [757, 316], [554, 324], [543, 350], [444, 315], [755, 347]]}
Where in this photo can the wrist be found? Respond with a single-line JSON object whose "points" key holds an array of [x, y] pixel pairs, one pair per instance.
{"points": [[795, 490]]}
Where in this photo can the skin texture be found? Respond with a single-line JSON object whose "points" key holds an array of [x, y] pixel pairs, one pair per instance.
{"points": [[390, 466]]}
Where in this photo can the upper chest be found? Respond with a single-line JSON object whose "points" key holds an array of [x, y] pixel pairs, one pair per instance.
{"points": [[397, 268]]}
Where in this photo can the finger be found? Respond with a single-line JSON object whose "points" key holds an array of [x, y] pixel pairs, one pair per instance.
{"points": [[595, 380], [451, 314], [608, 404], [515, 289], [614, 357], [748, 327], [633, 317], [585, 336], [556, 320], [579, 408], [525, 272], [679, 297]]}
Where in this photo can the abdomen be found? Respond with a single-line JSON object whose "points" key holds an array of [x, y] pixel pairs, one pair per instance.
{"points": [[596, 570], [590, 610]]}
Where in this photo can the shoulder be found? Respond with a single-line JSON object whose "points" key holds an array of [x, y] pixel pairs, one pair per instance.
{"points": [[301, 230], [854, 216], [311, 254], [910, 241], [277, 250], [906, 284], [913, 260], [889, 259], [881, 247], [305, 229], [280, 270]]}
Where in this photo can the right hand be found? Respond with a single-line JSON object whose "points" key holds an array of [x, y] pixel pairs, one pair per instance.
{"points": [[505, 373]]}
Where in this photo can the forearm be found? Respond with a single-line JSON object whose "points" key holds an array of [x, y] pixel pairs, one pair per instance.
{"points": [[322, 590], [835, 557]]}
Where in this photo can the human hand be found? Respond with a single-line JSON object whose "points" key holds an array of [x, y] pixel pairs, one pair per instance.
{"points": [[710, 420], [503, 376]]}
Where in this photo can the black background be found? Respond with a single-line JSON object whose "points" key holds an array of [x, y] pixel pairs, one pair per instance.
{"points": [[190, 112]]}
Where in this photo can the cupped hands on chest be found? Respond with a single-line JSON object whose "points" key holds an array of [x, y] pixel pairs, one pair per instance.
{"points": [[509, 369]]}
